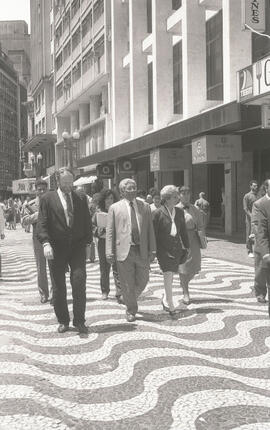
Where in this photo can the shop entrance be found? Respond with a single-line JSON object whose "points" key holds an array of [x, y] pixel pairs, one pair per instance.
{"points": [[215, 188]]}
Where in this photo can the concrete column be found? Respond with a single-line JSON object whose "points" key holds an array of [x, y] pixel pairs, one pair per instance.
{"points": [[120, 75], [236, 47], [104, 100], [74, 121], [94, 108], [83, 114], [230, 198], [162, 64], [193, 57], [138, 68]]}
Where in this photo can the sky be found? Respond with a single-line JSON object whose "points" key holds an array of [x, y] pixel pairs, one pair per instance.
{"points": [[15, 9]]}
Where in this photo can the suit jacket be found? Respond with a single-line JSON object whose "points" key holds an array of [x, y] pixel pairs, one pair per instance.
{"points": [[118, 231], [52, 226], [262, 213], [162, 225]]}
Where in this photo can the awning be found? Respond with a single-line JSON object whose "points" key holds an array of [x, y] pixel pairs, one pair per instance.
{"points": [[84, 180], [39, 142]]}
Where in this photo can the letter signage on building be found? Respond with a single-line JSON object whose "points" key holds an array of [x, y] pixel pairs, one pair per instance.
{"points": [[254, 80], [24, 186], [253, 14], [169, 159], [105, 171], [216, 149]]}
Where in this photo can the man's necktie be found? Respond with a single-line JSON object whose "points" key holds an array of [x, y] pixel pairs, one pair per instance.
{"points": [[135, 234], [69, 209]]}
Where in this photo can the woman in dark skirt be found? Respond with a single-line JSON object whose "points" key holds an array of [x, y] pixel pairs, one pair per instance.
{"points": [[172, 241]]}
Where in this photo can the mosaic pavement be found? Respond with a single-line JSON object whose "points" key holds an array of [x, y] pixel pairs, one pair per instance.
{"points": [[207, 370]]}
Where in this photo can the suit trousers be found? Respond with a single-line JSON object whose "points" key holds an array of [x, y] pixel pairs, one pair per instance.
{"points": [[41, 268], [105, 268], [248, 231], [74, 256], [134, 275], [262, 276]]}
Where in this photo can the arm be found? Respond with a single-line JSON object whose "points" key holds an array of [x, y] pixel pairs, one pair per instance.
{"points": [[110, 235], [28, 217], [245, 206], [43, 223], [183, 231], [254, 219], [151, 234], [88, 224], [263, 233]]}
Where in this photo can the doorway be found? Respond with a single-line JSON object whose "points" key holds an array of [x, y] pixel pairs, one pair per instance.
{"points": [[215, 187]]}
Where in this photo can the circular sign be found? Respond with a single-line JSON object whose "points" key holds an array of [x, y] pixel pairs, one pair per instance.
{"points": [[105, 170], [127, 165]]}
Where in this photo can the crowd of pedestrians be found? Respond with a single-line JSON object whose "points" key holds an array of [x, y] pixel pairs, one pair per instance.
{"points": [[128, 229]]}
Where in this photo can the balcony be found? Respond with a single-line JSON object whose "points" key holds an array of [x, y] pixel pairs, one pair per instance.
{"points": [[174, 22], [147, 44], [76, 88], [59, 73], [76, 52]]}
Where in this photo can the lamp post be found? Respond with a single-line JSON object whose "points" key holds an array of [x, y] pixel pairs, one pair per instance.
{"points": [[68, 145]]}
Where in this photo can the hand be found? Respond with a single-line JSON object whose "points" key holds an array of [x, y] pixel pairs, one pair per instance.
{"points": [[48, 252], [101, 231], [87, 251], [152, 256], [110, 259], [2, 236], [251, 236]]}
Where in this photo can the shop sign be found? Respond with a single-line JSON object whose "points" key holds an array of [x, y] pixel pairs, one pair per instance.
{"points": [[216, 149], [105, 171], [253, 14], [169, 159], [126, 166], [254, 80], [245, 82], [24, 186]]}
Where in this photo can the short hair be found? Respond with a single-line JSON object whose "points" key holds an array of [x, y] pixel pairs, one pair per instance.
{"points": [[124, 182], [156, 193], [104, 194], [62, 171], [184, 188], [253, 182], [265, 184], [41, 182], [142, 193], [167, 192], [202, 194]]}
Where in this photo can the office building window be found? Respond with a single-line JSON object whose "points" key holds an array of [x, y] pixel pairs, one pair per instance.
{"points": [[98, 9], [87, 24], [177, 79], [43, 125], [75, 6], [76, 38], [67, 86], [150, 93], [87, 61], [261, 44], [214, 57], [66, 21], [59, 90], [76, 72], [67, 51], [176, 4], [58, 61], [149, 16]]}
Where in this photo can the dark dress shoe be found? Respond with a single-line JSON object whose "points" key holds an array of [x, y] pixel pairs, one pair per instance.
{"points": [[261, 299], [82, 328], [62, 328], [130, 317], [120, 300], [43, 299]]}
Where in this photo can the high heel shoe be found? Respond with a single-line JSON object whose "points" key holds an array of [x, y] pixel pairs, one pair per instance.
{"points": [[174, 314], [165, 308], [186, 301]]}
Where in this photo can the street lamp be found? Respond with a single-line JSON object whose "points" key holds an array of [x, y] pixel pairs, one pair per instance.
{"points": [[68, 145]]}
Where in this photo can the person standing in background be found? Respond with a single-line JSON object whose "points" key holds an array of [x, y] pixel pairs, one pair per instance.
{"points": [[30, 217], [204, 206], [248, 202]]}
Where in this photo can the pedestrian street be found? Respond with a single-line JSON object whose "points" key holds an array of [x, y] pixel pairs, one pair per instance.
{"points": [[207, 370]]}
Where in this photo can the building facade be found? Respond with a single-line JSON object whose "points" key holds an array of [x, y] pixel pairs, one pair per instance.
{"points": [[15, 42], [10, 124]]}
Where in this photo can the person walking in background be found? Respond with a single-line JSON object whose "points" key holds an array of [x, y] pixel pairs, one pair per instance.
{"points": [[130, 240], [30, 217], [260, 280], [26, 227], [172, 241], [92, 206], [248, 202], [11, 214], [65, 230], [156, 201], [204, 206], [107, 198], [196, 234]]}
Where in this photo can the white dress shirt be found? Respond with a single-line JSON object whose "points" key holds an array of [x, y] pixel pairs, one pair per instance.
{"points": [[64, 203]]}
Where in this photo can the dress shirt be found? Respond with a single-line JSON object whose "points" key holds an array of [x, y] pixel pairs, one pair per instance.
{"points": [[64, 203], [129, 213]]}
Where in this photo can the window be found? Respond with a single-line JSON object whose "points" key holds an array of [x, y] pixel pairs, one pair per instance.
{"points": [[58, 61], [67, 86], [261, 44], [76, 72], [150, 93], [67, 51], [87, 24], [99, 52], [149, 16], [98, 9], [66, 21], [214, 57], [87, 61], [176, 4], [76, 38], [43, 125], [59, 90], [42, 97], [58, 33], [75, 6], [177, 79]]}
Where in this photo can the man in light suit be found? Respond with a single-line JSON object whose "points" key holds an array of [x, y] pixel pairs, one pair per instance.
{"points": [[263, 231], [130, 240]]}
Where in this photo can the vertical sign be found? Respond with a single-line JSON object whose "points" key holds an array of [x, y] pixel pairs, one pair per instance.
{"points": [[253, 14]]}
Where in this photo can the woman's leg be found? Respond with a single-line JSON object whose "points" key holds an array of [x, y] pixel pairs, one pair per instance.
{"points": [[184, 282], [168, 282]]}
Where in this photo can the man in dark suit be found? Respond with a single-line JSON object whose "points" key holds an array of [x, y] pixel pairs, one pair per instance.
{"points": [[65, 230], [263, 231]]}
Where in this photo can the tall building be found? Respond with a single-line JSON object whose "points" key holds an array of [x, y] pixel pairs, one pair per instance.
{"points": [[39, 149], [10, 123], [15, 42]]}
